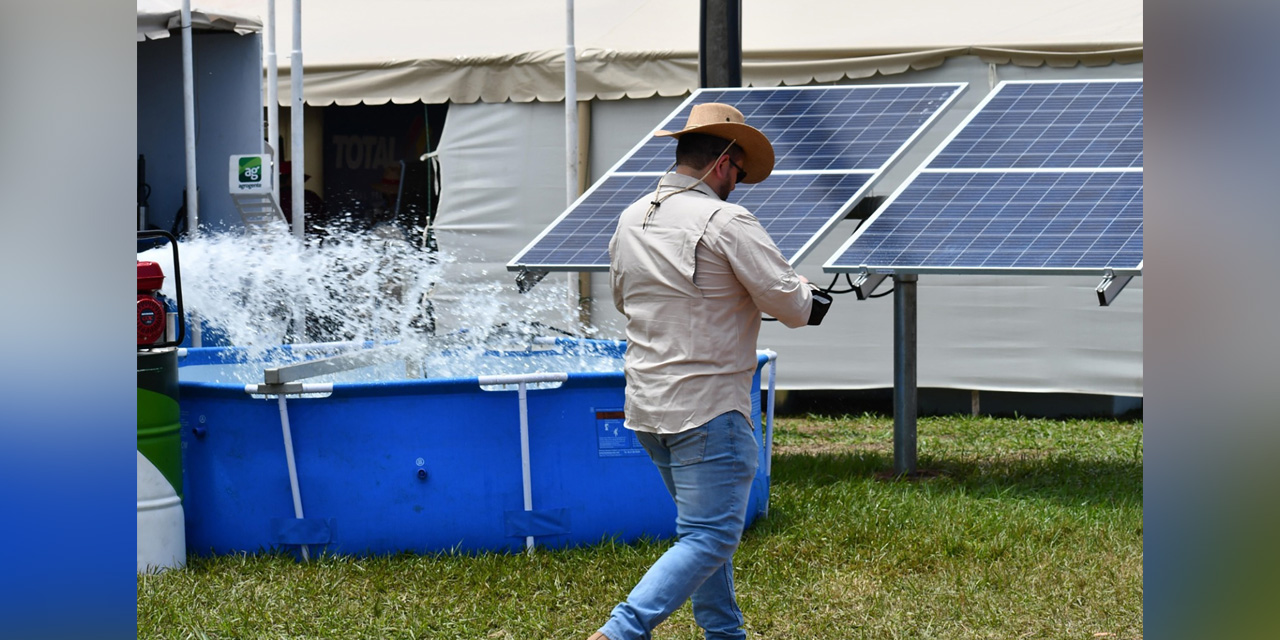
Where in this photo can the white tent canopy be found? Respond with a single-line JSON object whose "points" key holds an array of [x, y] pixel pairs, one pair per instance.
{"points": [[465, 51], [157, 17]]}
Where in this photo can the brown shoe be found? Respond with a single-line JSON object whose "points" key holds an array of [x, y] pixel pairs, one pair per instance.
{"points": [[598, 636]]}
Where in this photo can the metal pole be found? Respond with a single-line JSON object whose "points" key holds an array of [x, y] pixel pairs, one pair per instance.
{"points": [[720, 44], [768, 424], [768, 440], [584, 176], [189, 132], [273, 101], [189, 119], [298, 173], [570, 131], [570, 108], [904, 374]]}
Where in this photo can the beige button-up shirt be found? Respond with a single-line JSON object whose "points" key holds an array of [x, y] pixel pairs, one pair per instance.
{"points": [[692, 281]]}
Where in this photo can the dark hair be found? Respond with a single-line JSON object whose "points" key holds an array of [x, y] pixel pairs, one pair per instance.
{"points": [[697, 150]]}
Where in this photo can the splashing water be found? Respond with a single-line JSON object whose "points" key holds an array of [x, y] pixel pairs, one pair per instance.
{"points": [[356, 288]]}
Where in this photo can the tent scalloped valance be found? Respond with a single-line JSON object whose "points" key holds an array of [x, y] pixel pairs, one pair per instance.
{"points": [[611, 75]]}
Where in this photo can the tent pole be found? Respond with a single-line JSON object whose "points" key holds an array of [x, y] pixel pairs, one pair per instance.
{"points": [[189, 119], [570, 108], [584, 177], [273, 101], [298, 174], [570, 131]]}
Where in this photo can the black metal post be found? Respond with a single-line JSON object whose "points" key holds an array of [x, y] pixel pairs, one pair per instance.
{"points": [[720, 44], [904, 374]]}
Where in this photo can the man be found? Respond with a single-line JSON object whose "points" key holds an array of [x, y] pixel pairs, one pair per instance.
{"points": [[692, 274]]}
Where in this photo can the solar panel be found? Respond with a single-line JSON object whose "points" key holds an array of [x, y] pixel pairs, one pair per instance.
{"points": [[1059, 125], [970, 221], [830, 145], [580, 240], [814, 128], [1010, 191], [581, 237]]}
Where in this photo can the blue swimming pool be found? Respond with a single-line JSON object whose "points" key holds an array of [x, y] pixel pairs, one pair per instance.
{"points": [[494, 462]]}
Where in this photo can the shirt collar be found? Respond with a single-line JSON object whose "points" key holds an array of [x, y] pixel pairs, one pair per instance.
{"points": [[674, 181]]}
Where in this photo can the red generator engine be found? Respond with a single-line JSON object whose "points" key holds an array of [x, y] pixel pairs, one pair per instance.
{"points": [[153, 308], [151, 311]]}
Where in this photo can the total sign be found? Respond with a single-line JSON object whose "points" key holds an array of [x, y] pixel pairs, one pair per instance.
{"points": [[251, 174]]}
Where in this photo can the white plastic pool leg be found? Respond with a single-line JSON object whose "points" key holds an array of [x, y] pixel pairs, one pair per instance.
{"points": [[280, 391], [293, 467], [522, 381], [525, 470]]}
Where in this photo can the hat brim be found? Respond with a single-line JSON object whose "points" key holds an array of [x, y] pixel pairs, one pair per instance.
{"points": [[756, 148]]}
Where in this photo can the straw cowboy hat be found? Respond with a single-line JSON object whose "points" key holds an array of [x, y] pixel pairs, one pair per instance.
{"points": [[724, 121]]}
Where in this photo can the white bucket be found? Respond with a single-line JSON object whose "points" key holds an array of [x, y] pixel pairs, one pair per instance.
{"points": [[162, 538]]}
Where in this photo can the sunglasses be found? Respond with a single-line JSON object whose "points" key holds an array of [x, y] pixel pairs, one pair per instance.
{"points": [[742, 173]]}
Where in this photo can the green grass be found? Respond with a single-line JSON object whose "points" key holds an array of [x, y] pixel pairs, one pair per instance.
{"points": [[1017, 528]]}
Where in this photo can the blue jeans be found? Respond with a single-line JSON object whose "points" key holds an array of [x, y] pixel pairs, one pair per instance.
{"points": [[708, 471]]}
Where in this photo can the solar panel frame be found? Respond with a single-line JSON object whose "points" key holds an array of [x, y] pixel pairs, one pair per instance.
{"points": [[743, 193], [837, 264]]}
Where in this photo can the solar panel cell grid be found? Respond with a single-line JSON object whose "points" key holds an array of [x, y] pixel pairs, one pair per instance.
{"points": [[972, 221], [829, 143], [995, 198], [1052, 125], [783, 205], [829, 129]]}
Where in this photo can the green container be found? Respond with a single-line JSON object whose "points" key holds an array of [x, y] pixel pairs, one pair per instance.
{"points": [[158, 420]]}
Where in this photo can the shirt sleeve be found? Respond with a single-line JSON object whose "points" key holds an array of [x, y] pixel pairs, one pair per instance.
{"points": [[774, 286]]}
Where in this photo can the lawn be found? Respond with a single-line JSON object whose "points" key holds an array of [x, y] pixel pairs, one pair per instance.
{"points": [[1016, 528]]}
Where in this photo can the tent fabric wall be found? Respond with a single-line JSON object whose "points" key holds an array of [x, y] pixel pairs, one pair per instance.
{"points": [[502, 186], [461, 51], [502, 176], [227, 59], [228, 114]]}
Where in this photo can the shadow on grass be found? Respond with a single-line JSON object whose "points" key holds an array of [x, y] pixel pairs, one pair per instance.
{"points": [[1064, 478]]}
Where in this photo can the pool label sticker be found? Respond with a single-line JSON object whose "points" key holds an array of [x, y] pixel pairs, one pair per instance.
{"points": [[613, 440]]}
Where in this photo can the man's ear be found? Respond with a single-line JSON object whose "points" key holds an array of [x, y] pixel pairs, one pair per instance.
{"points": [[722, 165]]}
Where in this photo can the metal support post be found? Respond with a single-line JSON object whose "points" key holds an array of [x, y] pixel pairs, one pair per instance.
{"points": [[720, 43], [189, 121], [768, 422], [904, 374]]}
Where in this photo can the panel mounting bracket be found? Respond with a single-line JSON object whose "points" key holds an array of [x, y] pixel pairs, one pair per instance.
{"points": [[866, 283], [528, 279], [1110, 287]]}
